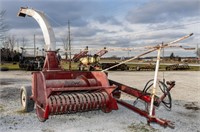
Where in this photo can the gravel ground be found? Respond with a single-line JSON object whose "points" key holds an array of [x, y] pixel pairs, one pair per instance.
{"points": [[185, 110]]}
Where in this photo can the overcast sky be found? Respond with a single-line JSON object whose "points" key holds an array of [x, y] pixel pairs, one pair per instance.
{"points": [[110, 23]]}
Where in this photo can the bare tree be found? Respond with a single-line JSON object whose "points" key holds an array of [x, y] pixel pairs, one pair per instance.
{"points": [[17, 42], [24, 42], [5, 43], [3, 26], [12, 42]]}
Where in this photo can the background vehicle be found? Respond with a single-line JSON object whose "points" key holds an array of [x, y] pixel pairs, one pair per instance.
{"points": [[177, 67], [121, 67]]}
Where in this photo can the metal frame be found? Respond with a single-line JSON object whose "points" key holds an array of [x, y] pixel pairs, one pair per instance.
{"points": [[146, 98], [56, 91]]}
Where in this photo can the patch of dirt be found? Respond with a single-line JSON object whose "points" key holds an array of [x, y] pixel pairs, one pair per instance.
{"points": [[72, 119], [21, 112], [5, 83], [187, 115], [2, 108], [47, 130], [141, 128], [192, 106]]}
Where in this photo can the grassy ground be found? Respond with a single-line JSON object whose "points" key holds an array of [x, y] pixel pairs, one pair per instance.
{"points": [[10, 66], [74, 66], [163, 67]]}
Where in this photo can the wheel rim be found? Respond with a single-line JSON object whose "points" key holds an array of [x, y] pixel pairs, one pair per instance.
{"points": [[23, 98]]}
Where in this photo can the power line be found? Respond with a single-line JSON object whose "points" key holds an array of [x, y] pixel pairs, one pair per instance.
{"points": [[54, 20]]}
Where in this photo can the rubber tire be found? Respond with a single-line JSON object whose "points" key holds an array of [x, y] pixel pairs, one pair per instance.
{"points": [[28, 102]]}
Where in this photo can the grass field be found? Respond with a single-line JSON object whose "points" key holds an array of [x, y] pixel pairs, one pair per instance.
{"points": [[10, 66], [163, 67], [74, 66]]}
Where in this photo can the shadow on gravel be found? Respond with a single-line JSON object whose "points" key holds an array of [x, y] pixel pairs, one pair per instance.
{"points": [[11, 81], [187, 110], [7, 81], [192, 106], [10, 93]]}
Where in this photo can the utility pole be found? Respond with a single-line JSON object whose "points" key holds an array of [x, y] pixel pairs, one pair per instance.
{"points": [[17, 45], [34, 46], [198, 51], [129, 53], [69, 44]]}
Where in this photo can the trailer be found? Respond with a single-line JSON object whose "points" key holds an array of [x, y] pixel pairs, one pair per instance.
{"points": [[122, 67], [145, 67], [177, 67]]}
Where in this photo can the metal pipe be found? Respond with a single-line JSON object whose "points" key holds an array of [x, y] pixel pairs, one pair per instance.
{"points": [[149, 51], [69, 42], [155, 82]]}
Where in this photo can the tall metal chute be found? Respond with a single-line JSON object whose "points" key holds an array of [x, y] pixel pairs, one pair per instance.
{"points": [[58, 91], [47, 30]]}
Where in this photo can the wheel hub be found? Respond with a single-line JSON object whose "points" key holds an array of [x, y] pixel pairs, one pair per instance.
{"points": [[23, 99]]}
